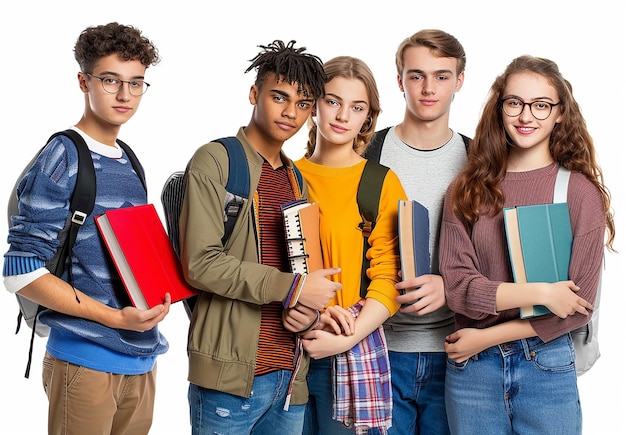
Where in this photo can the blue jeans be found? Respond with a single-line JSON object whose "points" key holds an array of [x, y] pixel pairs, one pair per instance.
{"points": [[318, 418], [418, 381], [215, 412], [521, 387]]}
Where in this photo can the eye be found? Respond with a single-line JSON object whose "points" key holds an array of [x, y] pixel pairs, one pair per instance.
{"points": [[513, 102], [358, 108], [304, 105], [110, 81], [136, 84], [541, 105]]}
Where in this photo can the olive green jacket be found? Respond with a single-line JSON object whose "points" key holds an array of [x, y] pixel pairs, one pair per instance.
{"points": [[232, 284]]}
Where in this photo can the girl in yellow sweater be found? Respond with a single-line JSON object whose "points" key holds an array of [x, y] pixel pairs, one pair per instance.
{"points": [[344, 121]]}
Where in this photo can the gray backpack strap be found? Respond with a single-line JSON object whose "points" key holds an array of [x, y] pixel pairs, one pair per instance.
{"points": [[560, 185]]}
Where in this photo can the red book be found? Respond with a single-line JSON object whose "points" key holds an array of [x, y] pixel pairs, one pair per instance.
{"points": [[143, 255]]}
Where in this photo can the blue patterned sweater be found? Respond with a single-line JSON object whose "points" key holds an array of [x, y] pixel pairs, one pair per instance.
{"points": [[44, 194]]}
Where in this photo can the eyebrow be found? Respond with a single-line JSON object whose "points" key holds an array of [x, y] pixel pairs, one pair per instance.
{"points": [[337, 97], [113, 73], [421, 71], [286, 95], [532, 99]]}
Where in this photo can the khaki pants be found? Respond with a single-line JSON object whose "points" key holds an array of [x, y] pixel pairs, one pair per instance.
{"points": [[84, 401]]}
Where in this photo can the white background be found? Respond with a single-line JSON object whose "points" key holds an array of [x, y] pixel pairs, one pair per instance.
{"points": [[199, 92]]}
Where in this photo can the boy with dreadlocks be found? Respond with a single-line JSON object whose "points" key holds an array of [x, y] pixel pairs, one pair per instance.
{"points": [[238, 342]]}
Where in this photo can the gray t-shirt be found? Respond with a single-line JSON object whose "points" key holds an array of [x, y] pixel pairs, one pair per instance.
{"points": [[425, 176]]}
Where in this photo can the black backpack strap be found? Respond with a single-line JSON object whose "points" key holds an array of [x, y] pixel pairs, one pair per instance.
{"points": [[466, 141], [135, 162], [374, 148], [368, 199], [81, 206]]}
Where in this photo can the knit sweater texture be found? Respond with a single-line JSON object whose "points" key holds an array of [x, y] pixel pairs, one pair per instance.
{"points": [[473, 265], [44, 194]]}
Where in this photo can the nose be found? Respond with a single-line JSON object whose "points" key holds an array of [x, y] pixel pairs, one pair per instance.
{"points": [[343, 113], [427, 86], [123, 94], [290, 111], [526, 115]]}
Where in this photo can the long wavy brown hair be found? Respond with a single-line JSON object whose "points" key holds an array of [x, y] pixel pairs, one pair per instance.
{"points": [[477, 189], [351, 68]]}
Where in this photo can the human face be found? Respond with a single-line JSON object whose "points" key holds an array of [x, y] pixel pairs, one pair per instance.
{"points": [[279, 110], [429, 83], [342, 111], [106, 109], [525, 130]]}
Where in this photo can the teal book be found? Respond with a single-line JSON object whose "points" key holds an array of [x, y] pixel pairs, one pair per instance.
{"points": [[413, 239], [539, 239]]}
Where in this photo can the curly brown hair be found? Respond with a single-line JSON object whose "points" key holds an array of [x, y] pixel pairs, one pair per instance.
{"points": [[97, 42]]}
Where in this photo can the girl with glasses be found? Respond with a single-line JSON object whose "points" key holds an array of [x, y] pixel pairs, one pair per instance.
{"points": [[506, 374]]}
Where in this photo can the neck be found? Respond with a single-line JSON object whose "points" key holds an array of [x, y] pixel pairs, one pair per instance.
{"points": [[424, 136], [334, 155]]}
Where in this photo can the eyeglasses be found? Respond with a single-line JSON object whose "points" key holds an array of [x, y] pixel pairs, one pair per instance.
{"points": [[113, 85], [539, 109]]}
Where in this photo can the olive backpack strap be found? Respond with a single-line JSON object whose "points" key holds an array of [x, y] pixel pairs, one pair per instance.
{"points": [[368, 198]]}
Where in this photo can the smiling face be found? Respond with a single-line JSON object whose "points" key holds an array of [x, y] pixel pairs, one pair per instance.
{"points": [[525, 130], [104, 110], [342, 112]]}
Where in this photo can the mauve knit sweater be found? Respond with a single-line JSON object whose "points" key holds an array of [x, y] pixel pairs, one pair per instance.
{"points": [[473, 266]]}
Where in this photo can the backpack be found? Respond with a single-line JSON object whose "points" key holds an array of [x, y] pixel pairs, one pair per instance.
{"points": [[81, 206], [585, 338], [237, 190]]}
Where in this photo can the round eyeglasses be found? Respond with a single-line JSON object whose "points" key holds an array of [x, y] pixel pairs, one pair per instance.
{"points": [[539, 109], [113, 85]]}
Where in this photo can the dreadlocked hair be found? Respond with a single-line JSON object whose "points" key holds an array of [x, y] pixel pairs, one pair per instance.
{"points": [[292, 65]]}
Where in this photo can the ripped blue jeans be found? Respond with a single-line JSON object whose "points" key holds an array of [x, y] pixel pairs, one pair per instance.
{"points": [[214, 412]]}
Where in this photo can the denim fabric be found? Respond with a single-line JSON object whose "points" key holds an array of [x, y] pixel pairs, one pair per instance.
{"points": [[318, 418], [418, 385], [521, 387], [215, 412]]}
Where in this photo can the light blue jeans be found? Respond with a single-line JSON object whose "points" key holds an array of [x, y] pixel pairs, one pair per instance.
{"points": [[418, 381], [215, 412], [521, 387]]}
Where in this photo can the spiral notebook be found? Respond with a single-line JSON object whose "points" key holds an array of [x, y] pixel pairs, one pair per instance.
{"points": [[302, 228]]}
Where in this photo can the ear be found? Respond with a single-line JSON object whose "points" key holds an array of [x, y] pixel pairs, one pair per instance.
{"points": [[254, 94], [82, 82], [400, 85], [459, 81]]}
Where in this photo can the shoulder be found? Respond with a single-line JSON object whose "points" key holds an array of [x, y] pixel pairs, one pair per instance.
{"points": [[581, 189], [393, 184], [56, 157]]}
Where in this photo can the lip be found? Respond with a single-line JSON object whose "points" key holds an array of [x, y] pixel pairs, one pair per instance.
{"points": [[338, 129], [122, 109], [285, 126], [428, 102], [525, 130]]}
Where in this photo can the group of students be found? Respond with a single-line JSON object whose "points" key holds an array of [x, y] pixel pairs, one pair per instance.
{"points": [[271, 351]]}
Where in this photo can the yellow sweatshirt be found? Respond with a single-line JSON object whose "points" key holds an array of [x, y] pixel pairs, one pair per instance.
{"points": [[335, 189]]}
